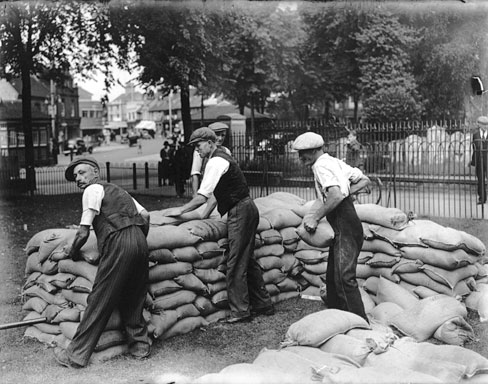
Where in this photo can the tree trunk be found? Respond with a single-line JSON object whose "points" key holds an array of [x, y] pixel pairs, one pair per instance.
{"points": [[27, 128], [185, 111]]}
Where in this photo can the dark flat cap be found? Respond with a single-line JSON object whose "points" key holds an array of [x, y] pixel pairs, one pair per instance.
{"points": [[90, 160], [202, 134], [218, 126], [483, 120]]}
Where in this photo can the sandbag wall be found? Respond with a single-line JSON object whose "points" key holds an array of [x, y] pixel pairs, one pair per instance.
{"points": [[187, 288], [58, 288]]}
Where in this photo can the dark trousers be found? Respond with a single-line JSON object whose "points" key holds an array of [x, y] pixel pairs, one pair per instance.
{"points": [[120, 282], [342, 287], [481, 176], [244, 276]]}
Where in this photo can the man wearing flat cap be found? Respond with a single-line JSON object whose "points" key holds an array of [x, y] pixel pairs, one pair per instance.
{"points": [[223, 178], [335, 181], [121, 225], [479, 158], [198, 164]]}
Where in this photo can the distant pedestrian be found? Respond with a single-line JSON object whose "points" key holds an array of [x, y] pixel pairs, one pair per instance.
{"points": [[182, 167], [166, 155], [479, 158], [139, 146]]}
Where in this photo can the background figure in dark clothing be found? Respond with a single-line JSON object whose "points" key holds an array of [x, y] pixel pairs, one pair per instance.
{"points": [[167, 155], [182, 167], [479, 159], [121, 225]]}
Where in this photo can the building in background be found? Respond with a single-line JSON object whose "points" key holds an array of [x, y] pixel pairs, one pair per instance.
{"points": [[54, 104], [92, 116], [123, 113]]}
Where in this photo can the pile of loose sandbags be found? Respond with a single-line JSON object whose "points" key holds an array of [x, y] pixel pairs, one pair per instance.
{"points": [[333, 346]]}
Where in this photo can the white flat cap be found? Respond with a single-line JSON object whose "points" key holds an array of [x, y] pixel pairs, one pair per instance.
{"points": [[308, 140], [483, 120]]}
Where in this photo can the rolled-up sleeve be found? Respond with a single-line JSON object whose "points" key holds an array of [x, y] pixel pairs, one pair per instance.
{"points": [[214, 170]]}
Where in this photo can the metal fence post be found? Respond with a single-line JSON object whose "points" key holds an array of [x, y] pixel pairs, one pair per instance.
{"points": [[134, 176], [146, 174], [107, 167]]}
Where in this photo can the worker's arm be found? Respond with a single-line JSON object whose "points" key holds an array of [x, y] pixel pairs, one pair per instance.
{"points": [[81, 237], [195, 183], [193, 204], [211, 204], [146, 217], [320, 209], [363, 182]]}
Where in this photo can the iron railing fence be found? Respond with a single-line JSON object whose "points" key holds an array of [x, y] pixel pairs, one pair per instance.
{"points": [[424, 167]]}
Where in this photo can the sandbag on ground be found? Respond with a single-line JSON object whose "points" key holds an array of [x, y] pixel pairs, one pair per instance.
{"points": [[421, 320], [315, 329]]}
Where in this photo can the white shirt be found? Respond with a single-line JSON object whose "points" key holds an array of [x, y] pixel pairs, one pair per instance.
{"points": [[92, 202], [483, 134], [329, 171], [215, 168], [197, 162]]}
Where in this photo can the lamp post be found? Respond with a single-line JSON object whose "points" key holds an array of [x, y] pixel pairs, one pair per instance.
{"points": [[51, 104]]}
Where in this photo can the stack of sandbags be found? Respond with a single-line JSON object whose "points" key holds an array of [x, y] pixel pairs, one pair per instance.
{"points": [[333, 346], [57, 288], [187, 276]]}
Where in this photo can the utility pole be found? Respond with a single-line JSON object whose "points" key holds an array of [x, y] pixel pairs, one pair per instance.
{"points": [[52, 112]]}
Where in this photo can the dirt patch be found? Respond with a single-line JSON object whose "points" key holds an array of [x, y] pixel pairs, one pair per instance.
{"points": [[192, 355]]}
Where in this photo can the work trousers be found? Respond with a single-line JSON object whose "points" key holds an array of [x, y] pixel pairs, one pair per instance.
{"points": [[342, 287], [244, 276], [120, 282]]}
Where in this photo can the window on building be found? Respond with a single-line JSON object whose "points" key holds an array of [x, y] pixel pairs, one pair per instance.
{"points": [[84, 114]]}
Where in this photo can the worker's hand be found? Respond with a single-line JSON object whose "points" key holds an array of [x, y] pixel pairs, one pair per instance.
{"points": [[310, 224], [176, 211], [60, 253]]}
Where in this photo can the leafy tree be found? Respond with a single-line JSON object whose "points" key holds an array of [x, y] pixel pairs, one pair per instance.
{"points": [[48, 38], [169, 43], [383, 54], [452, 49]]}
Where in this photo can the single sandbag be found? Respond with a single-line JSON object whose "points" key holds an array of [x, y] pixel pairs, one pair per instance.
{"points": [[207, 229], [163, 287], [393, 218], [364, 271], [384, 311], [168, 271], [378, 245], [473, 361], [421, 320], [36, 334], [184, 326], [163, 321], [187, 254], [315, 329], [456, 331], [357, 350], [282, 217], [379, 375], [449, 278], [78, 268], [449, 260], [170, 237], [382, 260], [269, 250], [271, 236], [322, 236], [393, 293], [162, 256], [173, 300]]}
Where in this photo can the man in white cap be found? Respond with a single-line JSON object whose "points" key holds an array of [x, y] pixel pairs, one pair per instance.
{"points": [[479, 158], [335, 181], [121, 225], [198, 163], [224, 179]]}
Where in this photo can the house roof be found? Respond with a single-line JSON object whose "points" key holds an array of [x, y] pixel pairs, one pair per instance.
{"points": [[12, 110], [163, 104], [38, 88]]}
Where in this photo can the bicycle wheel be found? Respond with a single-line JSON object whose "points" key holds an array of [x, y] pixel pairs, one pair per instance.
{"points": [[371, 194]]}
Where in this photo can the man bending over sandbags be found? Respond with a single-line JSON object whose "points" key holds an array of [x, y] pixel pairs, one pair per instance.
{"points": [[224, 179], [121, 225], [335, 181]]}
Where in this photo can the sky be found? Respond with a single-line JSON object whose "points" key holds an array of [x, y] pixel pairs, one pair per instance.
{"points": [[96, 85]]}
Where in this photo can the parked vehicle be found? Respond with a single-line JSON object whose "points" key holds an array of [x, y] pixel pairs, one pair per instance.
{"points": [[77, 147]]}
